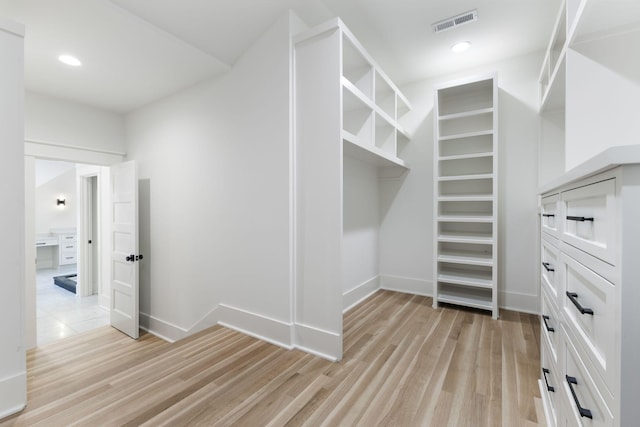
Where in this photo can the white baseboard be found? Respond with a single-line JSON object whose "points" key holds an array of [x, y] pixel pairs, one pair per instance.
{"points": [[13, 394], [325, 344], [360, 293], [525, 303], [161, 328], [262, 327], [407, 285], [172, 333], [104, 301], [318, 342]]}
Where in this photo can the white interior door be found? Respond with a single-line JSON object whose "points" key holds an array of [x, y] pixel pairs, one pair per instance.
{"points": [[124, 248]]}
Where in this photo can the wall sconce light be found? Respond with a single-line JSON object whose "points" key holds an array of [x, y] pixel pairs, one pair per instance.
{"points": [[61, 201]]}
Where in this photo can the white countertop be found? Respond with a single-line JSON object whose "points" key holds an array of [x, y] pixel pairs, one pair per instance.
{"points": [[608, 159]]}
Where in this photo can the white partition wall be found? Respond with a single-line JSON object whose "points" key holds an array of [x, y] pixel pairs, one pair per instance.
{"points": [[347, 136], [13, 375]]}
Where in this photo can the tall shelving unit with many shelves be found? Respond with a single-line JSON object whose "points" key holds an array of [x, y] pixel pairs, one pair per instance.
{"points": [[345, 105], [466, 189]]}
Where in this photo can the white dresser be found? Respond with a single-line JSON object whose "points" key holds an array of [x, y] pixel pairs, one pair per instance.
{"points": [[67, 248], [590, 292]]}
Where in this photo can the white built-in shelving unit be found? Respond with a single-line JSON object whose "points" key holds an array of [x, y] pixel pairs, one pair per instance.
{"points": [[372, 107], [345, 105], [465, 185]]}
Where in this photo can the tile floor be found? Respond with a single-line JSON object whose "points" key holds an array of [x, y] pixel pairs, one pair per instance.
{"points": [[60, 313]]}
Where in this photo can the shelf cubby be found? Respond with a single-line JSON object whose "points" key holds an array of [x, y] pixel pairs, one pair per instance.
{"points": [[385, 135], [460, 208], [470, 233], [356, 68], [385, 96], [465, 97], [473, 187], [465, 253], [466, 166], [357, 117], [552, 74], [471, 145], [466, 123], [475, 297]]}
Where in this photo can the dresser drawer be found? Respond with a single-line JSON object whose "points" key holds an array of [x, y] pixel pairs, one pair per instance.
{"points": [[589, 307], [581, 395], [550, 325], [589, 219], [65, 238], [68, 247], [550, 385], [550, 215], [68, 259], [549, 265]]}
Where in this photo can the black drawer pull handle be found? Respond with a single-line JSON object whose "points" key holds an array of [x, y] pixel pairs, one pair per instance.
{"points": [[547, 266], [549, 215], [574, 299], [545, 371], [579, 218], [546, 325], [583, 411]]}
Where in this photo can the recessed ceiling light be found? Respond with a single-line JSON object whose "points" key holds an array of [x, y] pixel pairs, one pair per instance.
{"points": [[460, 46], [70, 60]]}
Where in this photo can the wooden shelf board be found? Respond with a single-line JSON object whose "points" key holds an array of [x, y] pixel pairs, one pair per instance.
{"points": [[475, 238], [465, 300], [467, 198], [370, 154], [466, 278], [476, 297], [466, 258], [466, 177], [465, 135], [466, 156], [466, 114], [356, 92], [402, 131], [465, 218]]}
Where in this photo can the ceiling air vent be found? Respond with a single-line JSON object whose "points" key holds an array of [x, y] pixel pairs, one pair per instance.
{"points": [[455, 21]]}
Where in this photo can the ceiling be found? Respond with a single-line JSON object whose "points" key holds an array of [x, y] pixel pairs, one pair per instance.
{"points": [[137, 51]]}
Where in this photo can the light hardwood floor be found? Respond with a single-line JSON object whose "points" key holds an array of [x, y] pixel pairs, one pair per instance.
{"points": [[404, 364]]}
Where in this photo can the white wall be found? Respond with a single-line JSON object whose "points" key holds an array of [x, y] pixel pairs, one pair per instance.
{"points": [[53, 120], [603, 96], [214, 172], [48, 214], [13, 378], [551, 158], [406, 237], [361, 225]]}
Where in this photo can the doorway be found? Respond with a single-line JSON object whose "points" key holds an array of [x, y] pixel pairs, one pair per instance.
{"points": [[68, 279], [87, 156]]}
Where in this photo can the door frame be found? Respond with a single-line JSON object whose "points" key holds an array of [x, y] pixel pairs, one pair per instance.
{"points": [[85, 197], [49, 151]]}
